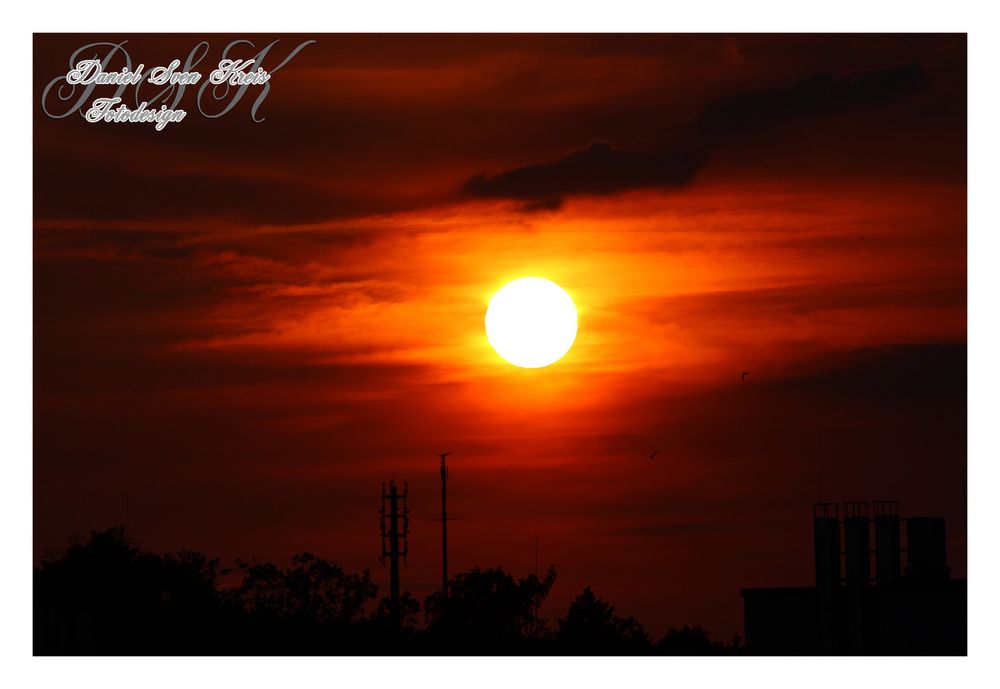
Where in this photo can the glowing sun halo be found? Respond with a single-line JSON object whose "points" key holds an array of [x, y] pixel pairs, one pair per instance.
{"points": [[531, 322]]}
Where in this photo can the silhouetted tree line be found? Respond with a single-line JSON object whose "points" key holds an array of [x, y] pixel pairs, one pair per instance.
{"points": [[107, 596]]}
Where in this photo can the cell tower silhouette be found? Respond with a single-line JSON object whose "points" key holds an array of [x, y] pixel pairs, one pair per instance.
{"points": [[394, 509]]}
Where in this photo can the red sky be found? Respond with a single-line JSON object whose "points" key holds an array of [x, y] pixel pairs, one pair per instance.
{"points": [[248, 326]]}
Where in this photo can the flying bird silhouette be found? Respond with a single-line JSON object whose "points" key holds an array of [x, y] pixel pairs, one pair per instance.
{"points": [[653, 456], [743, 376]]}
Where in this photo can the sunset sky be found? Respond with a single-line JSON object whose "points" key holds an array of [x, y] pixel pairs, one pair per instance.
{"points": [[247, 327]]}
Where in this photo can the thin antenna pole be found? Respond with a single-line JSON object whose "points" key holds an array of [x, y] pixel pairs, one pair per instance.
{"points": [[394, 552], [536, 549], [444, 525], [538, 603]]}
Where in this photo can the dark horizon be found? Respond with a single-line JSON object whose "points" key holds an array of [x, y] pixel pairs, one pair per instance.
{"points": [[106, 595]]}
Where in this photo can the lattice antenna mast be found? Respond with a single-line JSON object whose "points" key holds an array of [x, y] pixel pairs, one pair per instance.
{"points": [[394, 525]]}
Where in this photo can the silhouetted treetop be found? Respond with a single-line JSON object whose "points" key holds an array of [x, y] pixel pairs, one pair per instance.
{"points": [[312, 590], [692, 640], [105, 595], [592, 627], [489, 606]]}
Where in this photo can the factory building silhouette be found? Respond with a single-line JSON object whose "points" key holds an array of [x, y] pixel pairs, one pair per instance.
{"points": [[921, 610]]}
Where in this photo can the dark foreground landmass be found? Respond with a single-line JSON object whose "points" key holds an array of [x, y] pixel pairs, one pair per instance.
{"points": [[107, 596]]}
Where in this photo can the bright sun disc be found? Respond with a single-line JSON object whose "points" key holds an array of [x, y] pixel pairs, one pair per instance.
{"points": [[531, 322]]}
